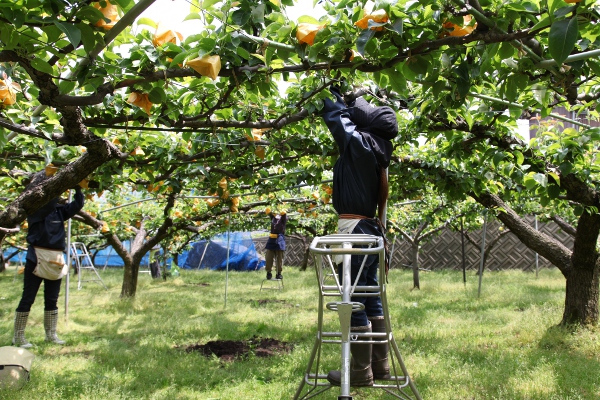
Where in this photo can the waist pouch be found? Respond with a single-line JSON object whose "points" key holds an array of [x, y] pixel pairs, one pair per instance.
{"points": [[50, 264]]}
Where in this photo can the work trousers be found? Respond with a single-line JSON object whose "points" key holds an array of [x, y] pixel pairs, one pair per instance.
{"points": [[276, 255], [31, 285], [367, 277]]}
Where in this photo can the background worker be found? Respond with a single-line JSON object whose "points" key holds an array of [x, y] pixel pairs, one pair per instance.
{"points": [[276, 244], [46, 228], [363, 134]]}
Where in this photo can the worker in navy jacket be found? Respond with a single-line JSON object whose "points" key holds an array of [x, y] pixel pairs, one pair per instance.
{"points": [[363, 134], [276, 244], [46, 228]]}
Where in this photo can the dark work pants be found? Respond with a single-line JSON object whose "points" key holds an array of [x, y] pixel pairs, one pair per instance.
{"points": [[31, 285], [274, 255], [368, 277]]}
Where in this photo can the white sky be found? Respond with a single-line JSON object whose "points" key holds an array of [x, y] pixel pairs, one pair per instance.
{"points": [[171, 13]]}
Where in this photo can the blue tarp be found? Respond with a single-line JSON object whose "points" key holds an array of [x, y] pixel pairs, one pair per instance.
{"points": [[212, 254], [242, 254], [105, 257]]}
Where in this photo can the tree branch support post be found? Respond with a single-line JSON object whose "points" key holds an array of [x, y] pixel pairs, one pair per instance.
{"points": [[485, 215]]}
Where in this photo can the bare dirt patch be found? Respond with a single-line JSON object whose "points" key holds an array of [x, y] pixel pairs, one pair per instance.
{"points": [[230, 350], [262, 302]]}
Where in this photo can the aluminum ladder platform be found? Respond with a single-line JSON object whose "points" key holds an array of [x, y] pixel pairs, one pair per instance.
{"points": [[336, 282]]}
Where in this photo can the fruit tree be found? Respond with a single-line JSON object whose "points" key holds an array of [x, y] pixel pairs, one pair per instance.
{"points": [[90, 87]]}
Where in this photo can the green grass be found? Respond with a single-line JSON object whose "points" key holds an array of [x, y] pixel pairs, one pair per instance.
{"points": [[456, 345]]}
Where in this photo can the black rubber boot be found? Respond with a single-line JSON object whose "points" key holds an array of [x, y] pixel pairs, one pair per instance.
{"points": [[379, 356]]}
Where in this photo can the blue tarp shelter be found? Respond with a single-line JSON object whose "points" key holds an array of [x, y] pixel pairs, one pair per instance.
{"points": [[212, 254]]}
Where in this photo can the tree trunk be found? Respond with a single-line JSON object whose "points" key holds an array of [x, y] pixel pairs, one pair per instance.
{"points": [[130, 278], [581, 299], [415, 265]]}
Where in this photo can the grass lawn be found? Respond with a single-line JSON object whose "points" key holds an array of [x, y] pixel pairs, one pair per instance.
{"points": [[456, 345]]}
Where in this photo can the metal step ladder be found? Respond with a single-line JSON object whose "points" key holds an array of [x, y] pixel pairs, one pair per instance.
{"points": [[328, 251], [81, 257], [273, 284]]}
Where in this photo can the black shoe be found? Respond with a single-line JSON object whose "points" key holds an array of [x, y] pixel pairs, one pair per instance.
{"points": [[269, 275], [278, 276]]}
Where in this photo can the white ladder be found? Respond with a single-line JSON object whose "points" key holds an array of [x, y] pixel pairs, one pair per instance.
{"points": [[82, 259]]}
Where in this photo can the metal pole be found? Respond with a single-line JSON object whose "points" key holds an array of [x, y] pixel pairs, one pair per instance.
{"points": [[345, 315], [482, 252], [393, 249], [521, 106], [464, 262], [537, 256], [227, 265], [571, 58], [384, 216], [203, 254], [69, 264]]}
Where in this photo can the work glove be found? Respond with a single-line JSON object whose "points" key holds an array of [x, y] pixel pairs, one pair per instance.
{"points": [[329, 105]]}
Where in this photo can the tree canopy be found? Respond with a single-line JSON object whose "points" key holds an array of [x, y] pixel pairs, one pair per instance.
{"points": [[150, 110]]}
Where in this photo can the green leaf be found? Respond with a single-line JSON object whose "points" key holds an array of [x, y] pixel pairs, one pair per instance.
{"points": [[178, 59], [192, 16], [520, 157], [42, 66], [541, 179], [555, 176], [553, 191], [73, 33], [545, 22], [497, 158], [308, 19], [147, 21], [66, 86], [207, 45], [506, 51], [157, 95], [258, 14], [529, 182], [561, 39], [240, 17], [398, 26], [240, 51], [88, 37], [419, 65], [205, 4], [363, 39], [260, 57], [578, 210]]}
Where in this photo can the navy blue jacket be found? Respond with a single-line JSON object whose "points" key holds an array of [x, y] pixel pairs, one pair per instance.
{"points": [[356, 173], [47, 225], [277, 227]]}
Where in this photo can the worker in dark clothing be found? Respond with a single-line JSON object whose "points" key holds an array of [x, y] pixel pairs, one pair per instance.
{"points": [[276, 244], [363, 134], [46, 229]]}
